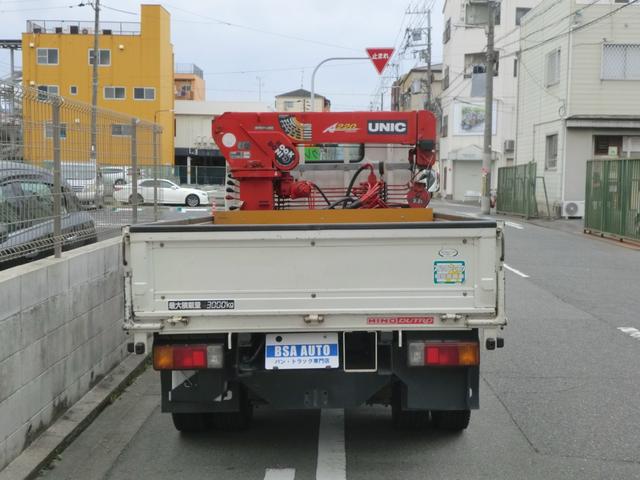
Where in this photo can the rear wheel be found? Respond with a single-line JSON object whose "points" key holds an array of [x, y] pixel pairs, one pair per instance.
{"points": [[190, 422], [119, 181], [192, 200], [140, 199], [454, 420], [403, 418]]}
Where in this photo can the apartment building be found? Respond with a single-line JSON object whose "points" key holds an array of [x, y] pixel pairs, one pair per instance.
{"points": [[300, 101], [135, 74], [189, 82], [410, 91], [463, 92], [578, 92]]}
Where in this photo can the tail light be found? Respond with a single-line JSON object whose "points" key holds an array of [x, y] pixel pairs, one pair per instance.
{"points": [[187, 357], [443, 353]]}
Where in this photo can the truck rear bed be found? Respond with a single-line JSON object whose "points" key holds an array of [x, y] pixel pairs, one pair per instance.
{"points": [[272, 278]]}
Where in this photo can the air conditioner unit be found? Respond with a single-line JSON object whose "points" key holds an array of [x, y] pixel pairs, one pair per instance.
{"points": [[509, 145], [573, 209]]}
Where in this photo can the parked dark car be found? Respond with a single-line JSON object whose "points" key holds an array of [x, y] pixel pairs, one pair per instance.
{"points": [[26, 215]]}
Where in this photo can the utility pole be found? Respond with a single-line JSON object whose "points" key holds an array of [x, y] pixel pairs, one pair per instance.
{"points": [[260, 83], [429, 91], [485, 206], [94, 90]]}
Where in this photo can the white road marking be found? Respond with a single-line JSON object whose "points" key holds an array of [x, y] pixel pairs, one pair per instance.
{"points": [[517, 272], [632, 332], [280, 474], [468, 214], [514, 225], [332, 460]]}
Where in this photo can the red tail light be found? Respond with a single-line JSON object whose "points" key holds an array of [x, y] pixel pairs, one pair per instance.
{"points": [[438, 353], [187, 357], [191, 357]]}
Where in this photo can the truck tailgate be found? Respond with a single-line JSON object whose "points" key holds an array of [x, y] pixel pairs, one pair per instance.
{"points": [[287, 277]]}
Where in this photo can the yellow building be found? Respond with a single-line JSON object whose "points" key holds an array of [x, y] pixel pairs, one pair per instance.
{"points": [[135, 77]]}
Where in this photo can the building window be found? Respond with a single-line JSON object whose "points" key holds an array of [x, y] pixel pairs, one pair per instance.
{"points": [[114, 93], [621, 62], [144, 93], [47, 56], [288, 104], [520, 12], [45, 90], [73, 90], [553, 68], [120, 130], [475, 63], [446, 36], [478, 14], [551, 152], [610, 145], [444, 126], [445, 79], [48, 130], [104, 59]]}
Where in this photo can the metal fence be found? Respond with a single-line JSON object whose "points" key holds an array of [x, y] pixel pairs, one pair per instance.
{"points": [[612, 198], [517, 190], [58, 188]]}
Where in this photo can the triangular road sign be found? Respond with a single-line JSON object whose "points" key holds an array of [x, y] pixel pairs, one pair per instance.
{"points": [[380, 57]]}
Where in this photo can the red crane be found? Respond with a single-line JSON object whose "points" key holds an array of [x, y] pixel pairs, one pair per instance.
{"points": [[261, 150]]}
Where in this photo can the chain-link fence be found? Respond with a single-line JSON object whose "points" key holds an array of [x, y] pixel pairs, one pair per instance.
{"points": [[64, 184], [612, 198]]}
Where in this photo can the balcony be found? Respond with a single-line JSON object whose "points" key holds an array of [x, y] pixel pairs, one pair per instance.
{"points": [[189, 69], [73, 27]]}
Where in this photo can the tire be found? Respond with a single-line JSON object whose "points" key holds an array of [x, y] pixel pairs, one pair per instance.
{"points": [[192, 200], [406, 419], [140, 199], [119, 181], [454, 420], [190, 422]]}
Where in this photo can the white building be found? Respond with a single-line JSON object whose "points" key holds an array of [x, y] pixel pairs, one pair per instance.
{"points": [[579, 92], [194, 145], [463, 95]]}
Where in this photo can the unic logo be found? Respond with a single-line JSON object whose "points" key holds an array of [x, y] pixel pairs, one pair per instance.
{"points": [[394, 127]]}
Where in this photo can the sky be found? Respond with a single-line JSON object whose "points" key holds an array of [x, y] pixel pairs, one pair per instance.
{"points": [[276, 43]]}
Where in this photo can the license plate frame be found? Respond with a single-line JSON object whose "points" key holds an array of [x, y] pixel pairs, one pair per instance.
{"points": [[301, 351]]}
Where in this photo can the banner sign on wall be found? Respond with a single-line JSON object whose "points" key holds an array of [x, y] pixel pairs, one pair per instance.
{"points": [[468, 118]]}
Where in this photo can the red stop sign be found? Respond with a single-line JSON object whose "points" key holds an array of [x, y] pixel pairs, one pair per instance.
{"points": [[380, 57]]}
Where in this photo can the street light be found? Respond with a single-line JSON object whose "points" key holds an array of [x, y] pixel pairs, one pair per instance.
{"points": [[155, 161]]}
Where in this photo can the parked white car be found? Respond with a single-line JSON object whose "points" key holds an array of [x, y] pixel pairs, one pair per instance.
{"points": [[118, 175], [168, 193]]}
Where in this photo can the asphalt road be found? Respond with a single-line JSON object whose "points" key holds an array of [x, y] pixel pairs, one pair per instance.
{"points": [[560, 401]]}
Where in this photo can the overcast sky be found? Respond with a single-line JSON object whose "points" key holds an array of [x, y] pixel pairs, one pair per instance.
{"points": [[280, 41]]}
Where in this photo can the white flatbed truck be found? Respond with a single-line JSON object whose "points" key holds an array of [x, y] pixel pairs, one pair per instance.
{"points": [[318, 315]]}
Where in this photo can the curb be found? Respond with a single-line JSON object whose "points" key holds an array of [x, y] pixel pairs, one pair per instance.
{"points": [[73, 422]]}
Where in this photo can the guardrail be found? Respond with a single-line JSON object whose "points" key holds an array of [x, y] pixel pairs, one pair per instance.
{"points": [[612, 198]]}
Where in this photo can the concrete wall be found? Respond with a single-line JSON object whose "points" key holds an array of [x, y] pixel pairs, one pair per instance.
{"points": [[60, 333]]}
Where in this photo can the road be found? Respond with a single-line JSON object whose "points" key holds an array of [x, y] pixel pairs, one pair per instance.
{"points": [[560, 401]]}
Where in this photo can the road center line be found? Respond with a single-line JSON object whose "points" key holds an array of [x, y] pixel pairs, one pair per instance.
{"points": [[332, 460], [280, 474], [514, 225], [632, 332], [517, 272]]}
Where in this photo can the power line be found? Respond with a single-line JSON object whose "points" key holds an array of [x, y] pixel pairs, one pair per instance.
{"points": [[566, 32], [259, 30]]}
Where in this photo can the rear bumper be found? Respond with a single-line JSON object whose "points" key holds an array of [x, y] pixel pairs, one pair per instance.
{"points": [[425, 388]]}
